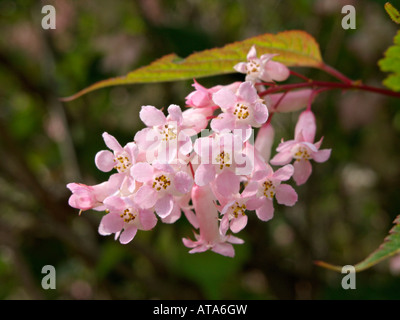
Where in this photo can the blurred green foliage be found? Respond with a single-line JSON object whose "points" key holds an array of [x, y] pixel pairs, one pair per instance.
{"points": [[343, 213]]}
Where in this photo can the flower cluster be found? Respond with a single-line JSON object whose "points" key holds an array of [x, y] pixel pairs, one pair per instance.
{"points": [[215, 177]]}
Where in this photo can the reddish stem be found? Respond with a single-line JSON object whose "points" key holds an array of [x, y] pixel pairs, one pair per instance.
{"points": [[328, 86], [335, 73], [191, 168], [298, 75]]}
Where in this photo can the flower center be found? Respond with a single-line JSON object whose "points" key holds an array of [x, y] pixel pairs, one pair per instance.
{"points": [[223, 159], [238, 209], [123, 162], [269, 189], [301, 153], [241, 111], [168, 132], [161, 182], [128, 215], [253, 67]]}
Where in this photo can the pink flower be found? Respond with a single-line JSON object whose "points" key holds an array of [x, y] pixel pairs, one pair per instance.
{"points": [[91, 197], [196, 119], [121, 158], [242, 110], [164, 140], [221, 161], [125, 218], [265, 185], [207, 215], [160, 184], [302, 148], [234, 212], [202, 97], [262, 68]]}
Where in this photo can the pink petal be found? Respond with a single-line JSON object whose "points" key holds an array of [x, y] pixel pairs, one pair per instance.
{"points": [[227, 183], [203, 147], [260, 113], [148, 220], [264, 141], [199, 248], [224, 98], [232, 239], [142, 171], [189, 243], [251, 189], [267, 57], [164, 206], [104, 160], [227, 207], [152, 116], [321, 155], [285, 146], [175, 114], [252, 54], [277, 71], [111, 142], [266, 211], [241, 67], [302, 171], [204, 174], [183, 182], [132, 149], [115, 204], [225, 249], [128, 234], [307, 126], [224, 121], [237, 224], [254, 203], [192, 218], [82, 200], [224, 225], [173, 216], [286, 195], [147, 139], [102, 231], [248, 92], [113, 184], [196, 119], [292, 100], [281, 158], [242, 131], [284, 173], [185, 143], [112, 223], [146, 197]]}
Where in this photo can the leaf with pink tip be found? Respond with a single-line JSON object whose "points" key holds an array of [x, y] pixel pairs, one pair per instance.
{"points": [[293, 48]]}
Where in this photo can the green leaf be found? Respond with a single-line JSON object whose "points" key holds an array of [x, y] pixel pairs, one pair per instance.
{"points": [[392, 12], [391, 63], [389, 248], [295, 48]]}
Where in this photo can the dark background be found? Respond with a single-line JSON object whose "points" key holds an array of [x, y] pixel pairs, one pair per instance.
{"points": [[344, 211]]}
